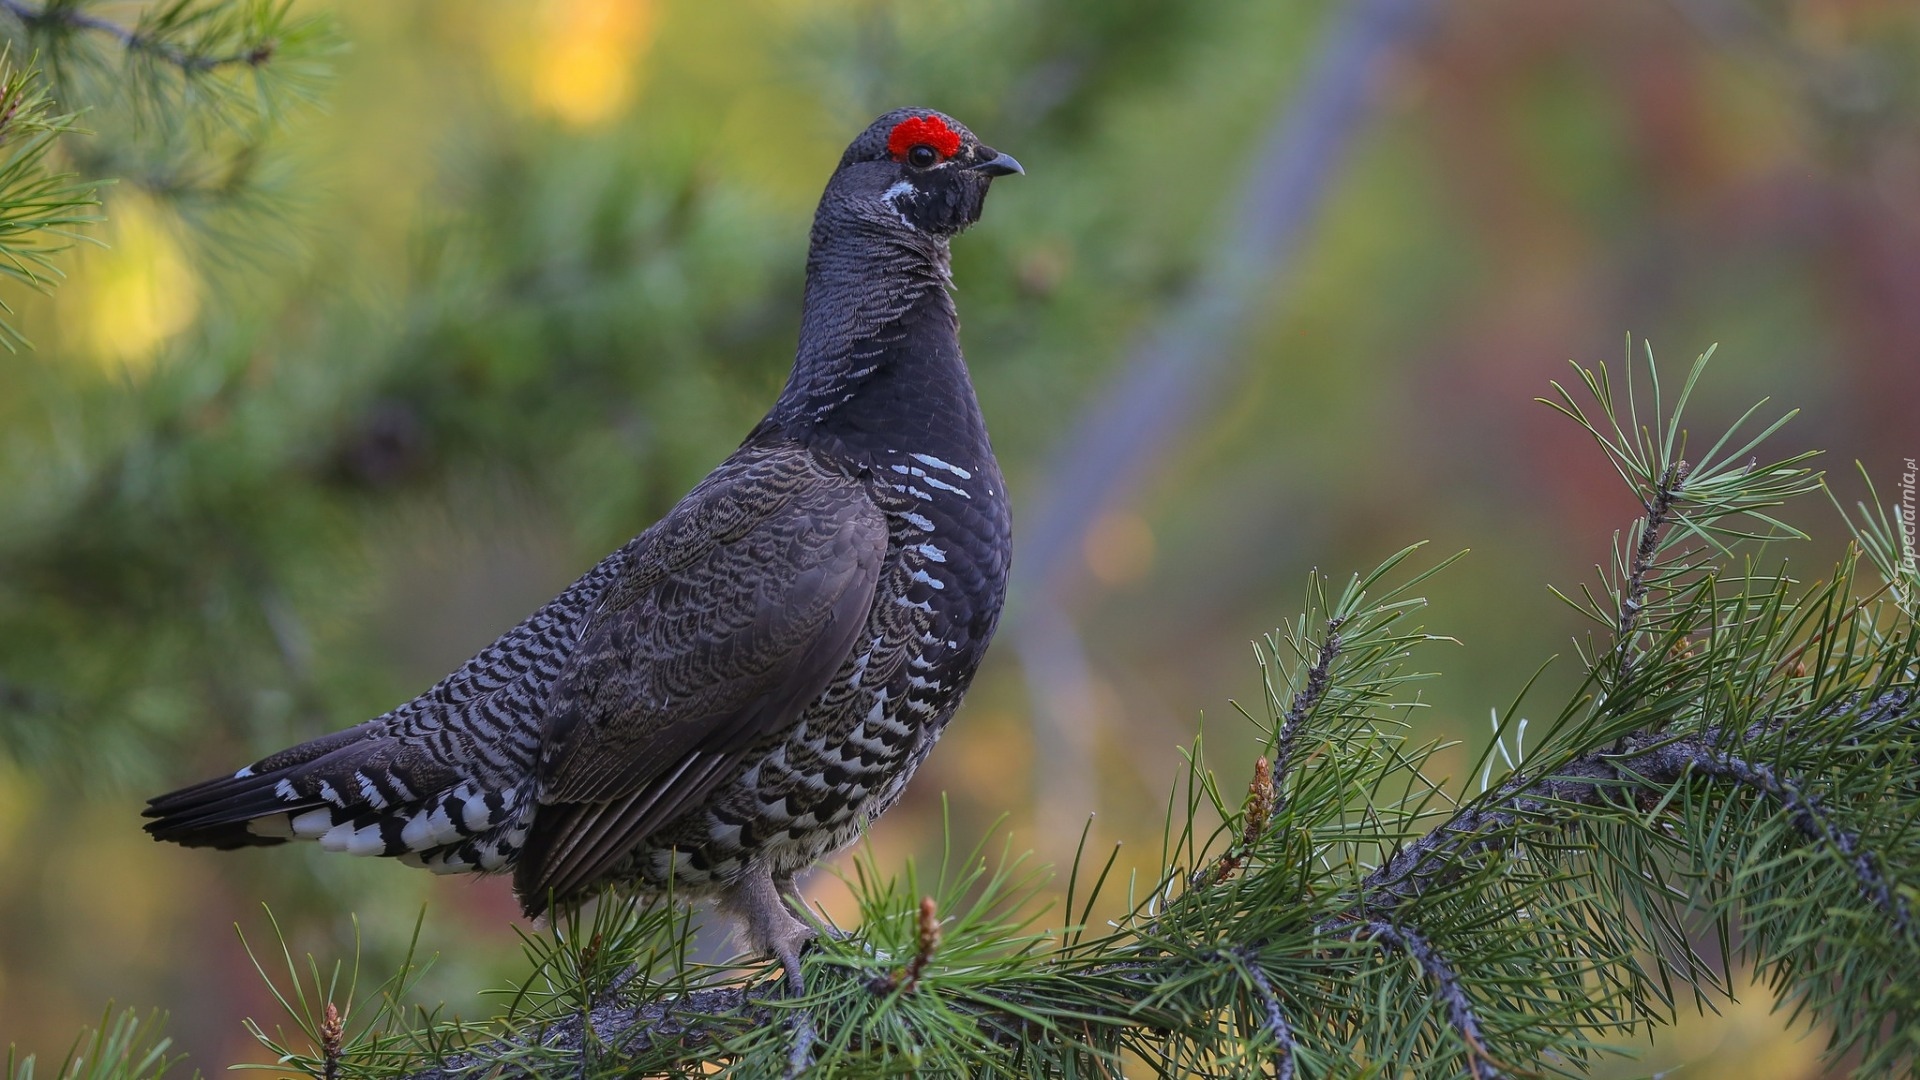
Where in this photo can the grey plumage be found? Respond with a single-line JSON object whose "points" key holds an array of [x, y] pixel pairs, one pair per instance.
{"points": [[739, 690]]}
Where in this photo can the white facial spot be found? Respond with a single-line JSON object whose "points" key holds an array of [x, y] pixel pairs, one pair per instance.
{"points": [[893, 194]]}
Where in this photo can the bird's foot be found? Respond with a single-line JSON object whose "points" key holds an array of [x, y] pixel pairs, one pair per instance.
{"points": [[769, 926], [787, 949], [788, 938]]}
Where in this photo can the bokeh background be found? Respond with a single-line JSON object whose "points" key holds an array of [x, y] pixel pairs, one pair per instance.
{"points": [[1277, 294]]}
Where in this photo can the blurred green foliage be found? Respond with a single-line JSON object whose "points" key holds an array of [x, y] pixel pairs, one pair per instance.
{"points": [[350, 388]]}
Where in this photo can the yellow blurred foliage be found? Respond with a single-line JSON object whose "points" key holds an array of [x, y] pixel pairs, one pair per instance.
{"points": [[129, 297], [583, 65], [1748, 1042], [105, 881]]}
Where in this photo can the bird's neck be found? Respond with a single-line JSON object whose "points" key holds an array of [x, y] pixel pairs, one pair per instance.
{"points": [[879, 363]]}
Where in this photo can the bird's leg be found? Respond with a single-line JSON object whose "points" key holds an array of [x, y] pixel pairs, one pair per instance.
{"points": [[760, 909], [790, 892], [769, 926]]}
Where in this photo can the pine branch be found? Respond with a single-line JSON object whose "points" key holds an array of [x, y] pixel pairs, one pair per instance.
{"points": [[1305, 701], [1648, 764], [1634, 595], [41, 208], [1762, 770], [1643, 775], [689, 1022], [186, 118], [68, 17], [1447, 987], [1277, 1027]]}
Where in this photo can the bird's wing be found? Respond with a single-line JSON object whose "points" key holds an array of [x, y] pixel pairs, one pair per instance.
{"points": [[733, 615]]}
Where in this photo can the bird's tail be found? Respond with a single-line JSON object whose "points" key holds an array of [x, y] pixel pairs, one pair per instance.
{"points": [[359, 792]]}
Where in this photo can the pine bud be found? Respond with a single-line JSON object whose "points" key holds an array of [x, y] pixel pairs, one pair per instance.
{"points": [[332, 1033], [1259, 803]]}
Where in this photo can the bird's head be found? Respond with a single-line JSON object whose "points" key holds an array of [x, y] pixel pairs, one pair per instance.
{"points": [[919, 170]]}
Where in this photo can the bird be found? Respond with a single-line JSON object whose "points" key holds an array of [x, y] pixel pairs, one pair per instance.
{"points": [[740, 690]]}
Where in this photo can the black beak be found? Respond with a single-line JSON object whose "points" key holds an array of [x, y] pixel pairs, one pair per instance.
{"points": [[999, 164]]}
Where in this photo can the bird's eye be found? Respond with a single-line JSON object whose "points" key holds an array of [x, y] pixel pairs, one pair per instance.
{"points": [[922, 156]]}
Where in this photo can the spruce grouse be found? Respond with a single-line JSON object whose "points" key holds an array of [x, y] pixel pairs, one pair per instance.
{"points": [[740, 689]]}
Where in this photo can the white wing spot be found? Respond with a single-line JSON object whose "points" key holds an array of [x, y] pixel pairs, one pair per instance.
{"points": [[935, 463], [362, 841], [474, 814], [429, 829], [312, 824], [277, 826]]}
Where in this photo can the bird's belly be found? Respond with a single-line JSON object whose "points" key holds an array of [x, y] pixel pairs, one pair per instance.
{"points": [[811, 791], [807, 797]]}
